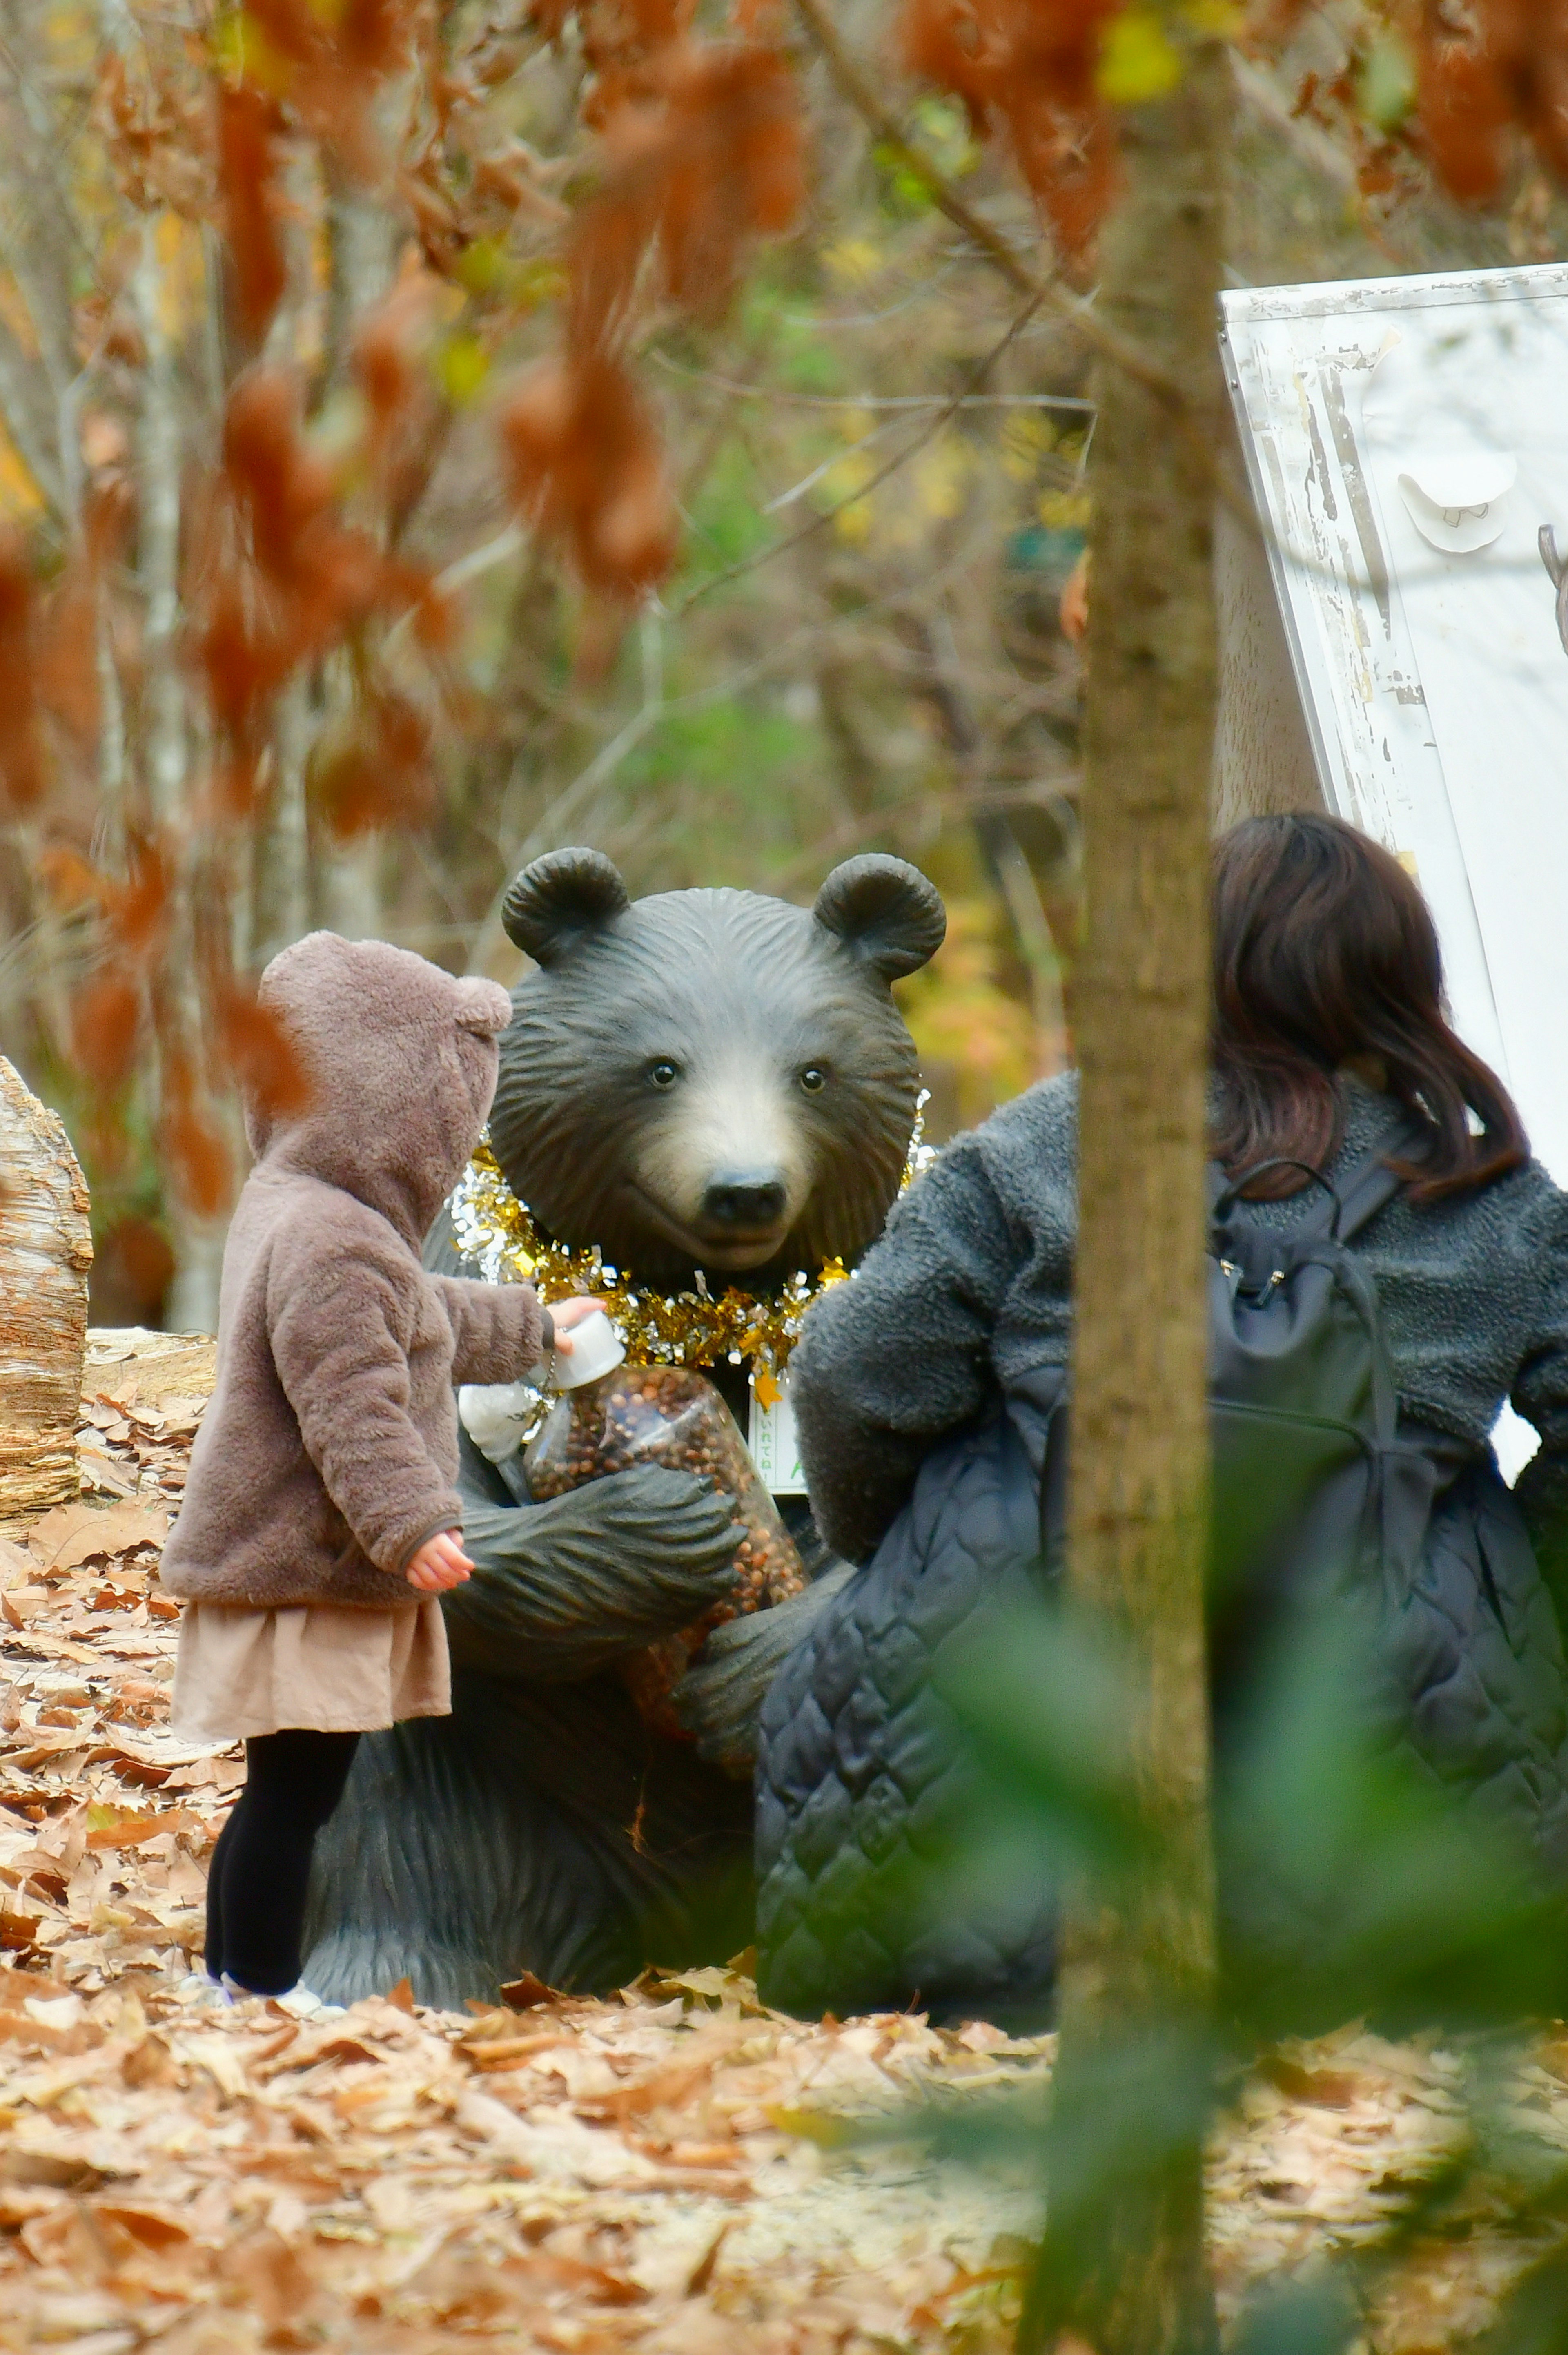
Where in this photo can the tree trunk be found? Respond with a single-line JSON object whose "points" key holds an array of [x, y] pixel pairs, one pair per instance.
{"points": [[45, 1250], [1124, 2264]]}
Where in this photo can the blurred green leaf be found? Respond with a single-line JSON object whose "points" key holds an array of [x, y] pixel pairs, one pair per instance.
{"points": [[1385, 85], [1301, 2317], [1044, 1699]]}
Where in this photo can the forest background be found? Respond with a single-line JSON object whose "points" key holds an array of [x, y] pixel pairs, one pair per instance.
{"points": [[293, 636]]}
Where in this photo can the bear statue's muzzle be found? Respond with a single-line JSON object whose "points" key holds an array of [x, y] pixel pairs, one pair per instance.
{"points": [[729, 1244], [745, 1201]]}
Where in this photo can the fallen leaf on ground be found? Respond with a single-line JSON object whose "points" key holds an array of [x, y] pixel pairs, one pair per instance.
{"points": [[73, 1534]]}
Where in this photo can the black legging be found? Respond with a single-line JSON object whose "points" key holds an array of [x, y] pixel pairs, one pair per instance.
{"points": [[261, 1868]]}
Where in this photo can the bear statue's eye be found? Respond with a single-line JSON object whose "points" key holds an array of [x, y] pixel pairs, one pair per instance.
{"points": [[662, 1075], [814, 1079]]}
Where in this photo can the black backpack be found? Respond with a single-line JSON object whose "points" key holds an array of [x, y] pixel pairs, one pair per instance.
{"points": [[1313, 1483], [1309, 1452]]}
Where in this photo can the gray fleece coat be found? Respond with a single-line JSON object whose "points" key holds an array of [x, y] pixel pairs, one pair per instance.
{"points": [[328, 1453], [968, 1293]]}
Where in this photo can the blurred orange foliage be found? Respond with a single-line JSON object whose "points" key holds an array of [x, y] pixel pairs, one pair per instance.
{"points": [[249, 130], [1028, 66], [105, 1020], [269, 1070], [702, 153], [588, 471], [1502, 61], [22, 770]]}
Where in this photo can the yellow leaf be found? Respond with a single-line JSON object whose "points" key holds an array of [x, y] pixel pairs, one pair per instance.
{"points": [[181, 274], [19, 495], [1064, 510], [463, 363], [484, 266], [853, 259], [1139, 60], [245, 54], [537, 282], [1219, 20]]}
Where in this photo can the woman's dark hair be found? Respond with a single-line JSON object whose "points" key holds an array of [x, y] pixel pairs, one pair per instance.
{"points": [[1325, 954]]}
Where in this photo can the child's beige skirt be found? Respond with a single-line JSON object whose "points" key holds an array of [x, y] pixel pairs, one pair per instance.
{"points": [[335, 1670]]}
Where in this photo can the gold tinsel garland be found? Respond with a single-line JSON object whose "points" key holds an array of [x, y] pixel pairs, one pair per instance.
{"points": [[492, 1228]]}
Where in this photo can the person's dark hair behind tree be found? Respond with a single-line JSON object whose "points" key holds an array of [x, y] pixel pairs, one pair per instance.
{"points": [[1324, 955]]}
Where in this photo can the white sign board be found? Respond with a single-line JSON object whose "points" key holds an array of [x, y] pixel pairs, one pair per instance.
{"points": [[773, 1446], [1407, 444]]}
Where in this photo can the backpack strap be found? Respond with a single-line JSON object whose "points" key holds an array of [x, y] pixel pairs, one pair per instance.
{"points": [[1368, 1189], [1366, 1192]]}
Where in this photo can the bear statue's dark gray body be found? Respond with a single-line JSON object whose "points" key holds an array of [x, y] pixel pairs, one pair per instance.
{"points": [[707, 1080]]}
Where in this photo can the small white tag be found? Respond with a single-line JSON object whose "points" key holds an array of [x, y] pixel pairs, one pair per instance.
{"points": [[773, 1448]]}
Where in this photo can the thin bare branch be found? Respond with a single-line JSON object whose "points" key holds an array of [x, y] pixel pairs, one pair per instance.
{"points": [[854, 85], [949, 408]]}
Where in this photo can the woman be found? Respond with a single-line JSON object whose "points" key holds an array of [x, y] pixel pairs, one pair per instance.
{"points": [[924, 1388]]}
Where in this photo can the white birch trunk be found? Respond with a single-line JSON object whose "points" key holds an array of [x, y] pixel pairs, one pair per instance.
{"points": [[46, 1250]]}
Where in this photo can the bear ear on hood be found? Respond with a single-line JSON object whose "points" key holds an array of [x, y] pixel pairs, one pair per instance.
{"points": [[482, 1006], [885, 913], [560, 900]]}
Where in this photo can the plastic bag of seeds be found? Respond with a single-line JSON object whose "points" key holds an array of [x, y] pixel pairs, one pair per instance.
{"points": [[609, 1416]]}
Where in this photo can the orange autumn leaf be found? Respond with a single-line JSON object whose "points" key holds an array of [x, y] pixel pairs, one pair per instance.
{"points": [[718, 163], [380, 773], [1500, 69], [22, 770], [138, 908], [105, 1021], [198, 1157], [264, 1059], [249, 127], [703, 152], [1027, 67], [588, 471]]}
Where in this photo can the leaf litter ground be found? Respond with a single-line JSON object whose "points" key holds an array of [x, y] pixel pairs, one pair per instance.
{"points": [[671, 2170]]}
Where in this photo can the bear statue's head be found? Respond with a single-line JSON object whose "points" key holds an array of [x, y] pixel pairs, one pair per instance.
{"points": [[711, 1079]]}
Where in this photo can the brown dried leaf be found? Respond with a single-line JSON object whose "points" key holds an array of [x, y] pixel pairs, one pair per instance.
{"points": [[73, 1534]]}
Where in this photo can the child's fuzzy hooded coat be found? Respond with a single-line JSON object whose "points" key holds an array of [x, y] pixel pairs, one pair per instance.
{"points": [[328, 1453]]}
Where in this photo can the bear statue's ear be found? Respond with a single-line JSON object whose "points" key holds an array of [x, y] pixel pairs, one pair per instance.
{"points": [[884, 912], [560, 900]]}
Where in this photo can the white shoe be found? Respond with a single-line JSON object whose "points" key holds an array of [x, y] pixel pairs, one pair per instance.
{"points": [[201, 1987], [299, 2002]]}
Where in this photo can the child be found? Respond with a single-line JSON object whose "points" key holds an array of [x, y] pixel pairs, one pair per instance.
{"points": [[321, 1518]]}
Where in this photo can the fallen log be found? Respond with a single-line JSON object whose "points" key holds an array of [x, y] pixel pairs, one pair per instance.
{"points": [[45, 1250]]}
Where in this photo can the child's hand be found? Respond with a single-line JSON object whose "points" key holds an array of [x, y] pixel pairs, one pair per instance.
{"points": [[565, 1313], [439, 1563]]}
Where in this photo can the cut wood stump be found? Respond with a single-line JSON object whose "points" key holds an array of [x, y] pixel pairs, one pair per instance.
{"points": [[45, 1250]]}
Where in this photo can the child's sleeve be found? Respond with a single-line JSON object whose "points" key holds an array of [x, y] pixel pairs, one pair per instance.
{"points": [[341, 1322], [499, 1330]]}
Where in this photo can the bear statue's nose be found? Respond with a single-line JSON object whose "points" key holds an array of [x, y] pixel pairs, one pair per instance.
{"points": [[744, 1198]]}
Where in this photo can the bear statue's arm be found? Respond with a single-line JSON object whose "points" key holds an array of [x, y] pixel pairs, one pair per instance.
{"points": [[562, 1589], [719, 1699]]}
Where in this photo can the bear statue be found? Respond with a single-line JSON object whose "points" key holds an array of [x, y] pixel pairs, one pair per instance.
{"points": [[708, 1080]]}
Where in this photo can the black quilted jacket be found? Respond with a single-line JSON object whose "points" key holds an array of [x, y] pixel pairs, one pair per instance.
{"points": [[923, 1390]]}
